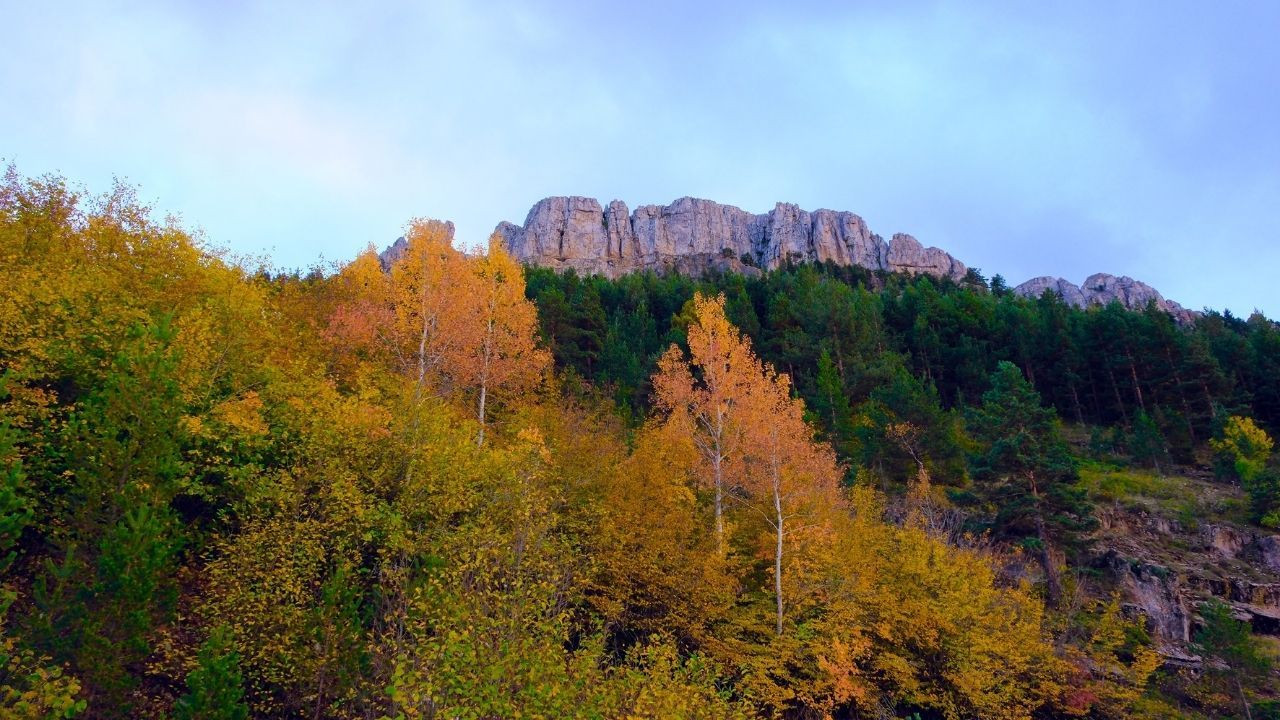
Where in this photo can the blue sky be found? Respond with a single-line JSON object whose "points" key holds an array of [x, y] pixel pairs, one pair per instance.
{"points": [[1132, 138]]}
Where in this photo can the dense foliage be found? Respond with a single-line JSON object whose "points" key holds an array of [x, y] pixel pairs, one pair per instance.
{"points": [[371, 493], [845, 336]]}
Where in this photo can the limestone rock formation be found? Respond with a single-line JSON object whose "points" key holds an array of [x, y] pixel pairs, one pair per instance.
{"points": [[1166, 570], [1102, 289], [693, 236], [906, 254], [1070, 293]]}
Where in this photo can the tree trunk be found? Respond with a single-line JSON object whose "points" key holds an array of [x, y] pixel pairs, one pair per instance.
{"points": [[484, 390], [718, 473], [777, 555], [1115, 389], [1137, 387], [1244, 702], [484, 375], [422, 350], [1052, 583]]}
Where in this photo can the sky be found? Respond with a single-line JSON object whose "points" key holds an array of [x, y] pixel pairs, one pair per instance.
{"points": [[1136, 138]]}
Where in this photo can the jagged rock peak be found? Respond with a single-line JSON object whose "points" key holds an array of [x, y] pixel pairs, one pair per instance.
{"points": [[1102, 289], [693, 235]]}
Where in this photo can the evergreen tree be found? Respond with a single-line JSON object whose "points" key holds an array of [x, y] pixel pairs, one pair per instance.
{"points": [[830, 404], [934, 445], [116, 578], [214, 689], [1147, 445], [15, 508], [1024, 470], [1231, 643]]}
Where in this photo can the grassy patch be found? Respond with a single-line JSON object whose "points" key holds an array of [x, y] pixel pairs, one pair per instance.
{"points": [[1187, 500], [1122, 485]]}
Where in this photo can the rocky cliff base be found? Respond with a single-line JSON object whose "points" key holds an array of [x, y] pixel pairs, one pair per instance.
{"points": [[1171, 543]]}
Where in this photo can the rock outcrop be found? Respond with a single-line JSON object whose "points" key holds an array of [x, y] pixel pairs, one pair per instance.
{"points": [[1103, 289], [693, 236], [1165, 571]]}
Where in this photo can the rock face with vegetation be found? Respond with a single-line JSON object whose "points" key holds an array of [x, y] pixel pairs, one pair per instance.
{"points": [[692, 236], [1102, 289]]}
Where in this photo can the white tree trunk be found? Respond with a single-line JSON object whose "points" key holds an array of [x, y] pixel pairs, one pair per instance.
{"points": [[777, 556]]}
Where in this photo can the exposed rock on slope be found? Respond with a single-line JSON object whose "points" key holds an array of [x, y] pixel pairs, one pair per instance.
{"points": [[692, 236], [1070, 293], [1102, 289], [1170, 554]]}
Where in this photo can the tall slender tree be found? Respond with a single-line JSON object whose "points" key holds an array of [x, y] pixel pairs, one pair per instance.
{"points": [[1025, 472], [500, 348], [708, 391], [787, 471]]}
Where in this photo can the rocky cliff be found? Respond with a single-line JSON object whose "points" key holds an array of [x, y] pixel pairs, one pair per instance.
{"points": [[1102, 289], [692, 236]]}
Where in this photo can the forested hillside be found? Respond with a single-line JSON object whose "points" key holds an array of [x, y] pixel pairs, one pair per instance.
{"points": [[844, 332], [452, 487]]}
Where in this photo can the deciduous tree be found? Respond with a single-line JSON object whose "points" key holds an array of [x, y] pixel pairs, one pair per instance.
{"points": [[708, 391]]}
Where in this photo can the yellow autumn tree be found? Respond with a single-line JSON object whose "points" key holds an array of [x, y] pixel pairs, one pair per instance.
{"points": [[1244, 447], [432, 296], [361, 320], [498, 347], [712, 404], [657, 571], [452, 323], [791, 478]]}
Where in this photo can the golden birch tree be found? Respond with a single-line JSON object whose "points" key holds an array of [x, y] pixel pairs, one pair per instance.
{"points": [[498, 347], [708, 392]]}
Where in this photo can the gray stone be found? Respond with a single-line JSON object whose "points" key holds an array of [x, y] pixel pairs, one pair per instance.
{"points": [[1269, 548], [907, 255], [1103, 289], [694, 236], [1068, 291]]}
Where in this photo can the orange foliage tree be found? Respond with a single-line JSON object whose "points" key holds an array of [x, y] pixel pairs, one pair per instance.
{"points": [[452, 323], [712, 404], [501, 351], [788, 472]]}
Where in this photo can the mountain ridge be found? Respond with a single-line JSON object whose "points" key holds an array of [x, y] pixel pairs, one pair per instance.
{"points": [[692, 236]]}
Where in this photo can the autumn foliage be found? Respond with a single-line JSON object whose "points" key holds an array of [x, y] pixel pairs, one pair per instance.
{"points": [[365, 493]]}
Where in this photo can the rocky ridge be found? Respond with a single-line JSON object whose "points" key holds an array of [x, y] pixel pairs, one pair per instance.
{"points": [[693, 236], [1165, 568], [1103, 289]]}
